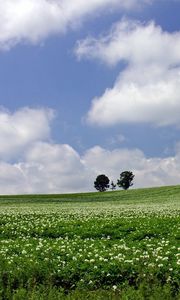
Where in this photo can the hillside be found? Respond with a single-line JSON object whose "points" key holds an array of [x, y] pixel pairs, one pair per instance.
{"points": [[112, 245], [157, 194]]}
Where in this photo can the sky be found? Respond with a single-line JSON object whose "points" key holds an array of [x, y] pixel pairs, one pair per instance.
{"points": [[88, 88]]}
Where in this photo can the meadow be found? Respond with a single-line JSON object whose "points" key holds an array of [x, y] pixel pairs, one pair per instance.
{"points": [[111, 245]]}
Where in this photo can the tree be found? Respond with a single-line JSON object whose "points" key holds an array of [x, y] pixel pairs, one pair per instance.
{"points": [[102, 183], [125, 180], [113, 186]]}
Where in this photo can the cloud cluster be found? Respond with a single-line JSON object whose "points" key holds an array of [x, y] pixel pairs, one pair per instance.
{"points": [[30, 162], [53, 168], [134, 42], [32, 21], [20, 129], [154, 171], [148, 89]]}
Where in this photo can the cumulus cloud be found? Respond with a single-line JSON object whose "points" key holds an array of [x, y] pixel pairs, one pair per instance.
{"points": [[12, 181], [147, 90], [133, 42], [56, 168], [43, 166], [53, 168], [30, 162], [21, 128], [148, 171], [140, 97], [33, 21]]}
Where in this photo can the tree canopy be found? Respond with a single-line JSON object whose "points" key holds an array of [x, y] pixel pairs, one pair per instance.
{"points": [[125, 180], [101, 183]]}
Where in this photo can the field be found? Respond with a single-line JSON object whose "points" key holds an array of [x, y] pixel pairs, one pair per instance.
{"points": [[112, 245]]}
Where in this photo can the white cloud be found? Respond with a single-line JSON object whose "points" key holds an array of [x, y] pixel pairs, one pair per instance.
{"points": [[148, 90], [20, 129], [116, 140], [42, 166], [140, 97], [61, 169], [30, 162], [136, 43], [12, 181], [33, 21], [148, 171], [53, 168]]}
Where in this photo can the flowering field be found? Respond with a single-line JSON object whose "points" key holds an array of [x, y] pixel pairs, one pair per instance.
{"points": [[107, 245]]}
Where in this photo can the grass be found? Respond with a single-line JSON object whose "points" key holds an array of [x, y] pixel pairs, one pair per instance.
{"points": [[112, 245], [157, 194]]}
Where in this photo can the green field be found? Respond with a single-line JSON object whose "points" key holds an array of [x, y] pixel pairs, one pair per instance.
{"points": [[112, 245]]}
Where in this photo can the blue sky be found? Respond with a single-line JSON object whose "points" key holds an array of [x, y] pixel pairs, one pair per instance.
{"points": [[87, 89]]}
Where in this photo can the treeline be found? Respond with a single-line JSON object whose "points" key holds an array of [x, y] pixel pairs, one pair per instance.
{"points": [[102, 182]]}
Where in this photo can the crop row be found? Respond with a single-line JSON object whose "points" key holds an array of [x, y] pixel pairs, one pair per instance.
{"points": [[88, 247]]}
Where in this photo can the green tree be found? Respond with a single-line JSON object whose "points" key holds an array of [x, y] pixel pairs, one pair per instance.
{"points": [[113, 186], [125, 180], [101, 183]]}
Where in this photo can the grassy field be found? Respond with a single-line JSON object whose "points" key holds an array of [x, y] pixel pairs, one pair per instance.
{"points": [[112, 245]]}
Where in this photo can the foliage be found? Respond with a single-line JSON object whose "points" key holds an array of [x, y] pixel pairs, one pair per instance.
{"points": [[151, 292], [125, 180], [113, 186], [102, 183]]}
